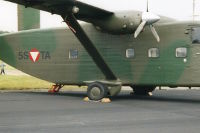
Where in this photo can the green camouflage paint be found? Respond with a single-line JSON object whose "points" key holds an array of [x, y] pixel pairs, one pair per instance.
{"points": [[112, 54], [28, 18], [33, 40], [6, 52], [139, 70]]}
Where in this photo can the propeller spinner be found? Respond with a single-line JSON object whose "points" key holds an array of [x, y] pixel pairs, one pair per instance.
{"points": [[148, 19]]}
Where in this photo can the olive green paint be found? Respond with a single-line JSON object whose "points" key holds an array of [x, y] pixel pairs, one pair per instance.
{"points": [[140, 70], [28, 18], [167, 68], [48, 42], [6, 52]]}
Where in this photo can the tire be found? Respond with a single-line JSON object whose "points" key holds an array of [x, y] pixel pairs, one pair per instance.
{"points": [[143, 90], [97, 91]]}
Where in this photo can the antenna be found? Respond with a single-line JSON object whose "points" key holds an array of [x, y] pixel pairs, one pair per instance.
{"points": [[193, 13]]}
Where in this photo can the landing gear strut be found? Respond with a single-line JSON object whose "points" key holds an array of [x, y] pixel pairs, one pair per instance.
{"points": [[97, 91], [55, 88]]}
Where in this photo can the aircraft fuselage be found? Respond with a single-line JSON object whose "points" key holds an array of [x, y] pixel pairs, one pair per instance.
{"points": [[56, 55]]}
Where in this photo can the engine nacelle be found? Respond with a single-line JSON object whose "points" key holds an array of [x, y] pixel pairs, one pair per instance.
{"points": [[119, 23]]}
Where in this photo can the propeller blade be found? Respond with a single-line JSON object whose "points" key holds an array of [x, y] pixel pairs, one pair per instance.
{"points": [[147, 5], [139, 29], [155, 33]]}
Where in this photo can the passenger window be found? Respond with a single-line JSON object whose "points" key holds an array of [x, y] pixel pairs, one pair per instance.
{"points": [[130, 53], [181, 52], [196, 35], [153, 53], [73, 54]]}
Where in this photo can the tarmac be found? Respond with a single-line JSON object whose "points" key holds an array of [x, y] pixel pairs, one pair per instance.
{"points": [[167, 111]]}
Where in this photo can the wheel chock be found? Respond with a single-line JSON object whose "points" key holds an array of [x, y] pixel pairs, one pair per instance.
{"points": [[86, 99], [104, 100], [150, 94]]}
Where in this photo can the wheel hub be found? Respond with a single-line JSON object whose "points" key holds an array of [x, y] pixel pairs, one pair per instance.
{"points": [[95, 92]]}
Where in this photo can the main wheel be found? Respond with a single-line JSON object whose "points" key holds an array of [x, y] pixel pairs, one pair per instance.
{"points": [[143, 90], [97, 91]]}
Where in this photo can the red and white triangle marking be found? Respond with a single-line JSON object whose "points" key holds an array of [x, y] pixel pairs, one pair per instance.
{"points": [[34, 55]]}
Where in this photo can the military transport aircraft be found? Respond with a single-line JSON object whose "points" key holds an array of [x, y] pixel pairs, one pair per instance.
{"points": [[113, 49]]}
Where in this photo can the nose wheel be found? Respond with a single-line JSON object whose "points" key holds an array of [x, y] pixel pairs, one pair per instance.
{"points": [[97, 91]]}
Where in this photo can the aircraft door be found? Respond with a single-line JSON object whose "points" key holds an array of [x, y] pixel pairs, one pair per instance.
{"points": [[195, 35], [194, 56]]}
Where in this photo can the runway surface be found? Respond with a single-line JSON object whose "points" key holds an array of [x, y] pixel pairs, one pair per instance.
{"points": [[173, 111]]}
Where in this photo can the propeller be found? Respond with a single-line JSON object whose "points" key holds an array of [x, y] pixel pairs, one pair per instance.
{"points": [[148, 19]]}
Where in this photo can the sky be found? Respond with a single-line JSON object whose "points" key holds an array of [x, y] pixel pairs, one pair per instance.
{"points": [[178, 9]]}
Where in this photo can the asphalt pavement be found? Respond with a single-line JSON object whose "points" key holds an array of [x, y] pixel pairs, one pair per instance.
{"points": [[167, 111]]}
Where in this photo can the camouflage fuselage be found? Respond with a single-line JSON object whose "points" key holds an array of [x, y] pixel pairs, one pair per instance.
{"points": [[54, 64]]}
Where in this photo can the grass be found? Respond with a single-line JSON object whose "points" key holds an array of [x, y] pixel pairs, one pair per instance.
{"points": [[8, 67], [8, 82], [26, 82], [21, 82]]}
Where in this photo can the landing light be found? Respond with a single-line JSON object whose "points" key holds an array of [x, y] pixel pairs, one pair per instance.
{"points": [[75, 9]]}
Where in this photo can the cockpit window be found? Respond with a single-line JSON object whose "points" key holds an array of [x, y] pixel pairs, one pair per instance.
{"points": [[196, 35]]}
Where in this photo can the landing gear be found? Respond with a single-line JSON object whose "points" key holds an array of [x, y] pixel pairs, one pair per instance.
{"points": [[143, 90], [97, 91], [55, 88]]}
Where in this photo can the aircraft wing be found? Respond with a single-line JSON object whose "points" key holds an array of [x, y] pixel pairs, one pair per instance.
{"points": [[63, 7]]}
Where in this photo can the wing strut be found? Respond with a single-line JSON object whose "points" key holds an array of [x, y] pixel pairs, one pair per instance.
{"points": [[89, 46]]}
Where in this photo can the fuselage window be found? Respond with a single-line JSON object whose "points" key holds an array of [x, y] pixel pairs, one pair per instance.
{"points": [[153, 53], [130, 53], [73, 54], [181, 52], [196, 35]]}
